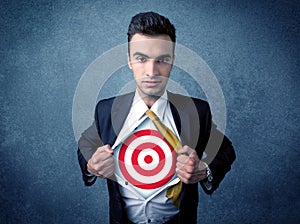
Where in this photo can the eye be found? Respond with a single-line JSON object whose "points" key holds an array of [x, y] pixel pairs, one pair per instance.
{"points": [[165, 60], [141, 59]]}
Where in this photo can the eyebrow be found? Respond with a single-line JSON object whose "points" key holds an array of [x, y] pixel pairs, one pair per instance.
{"points": [[140, 54], [146, 56]]}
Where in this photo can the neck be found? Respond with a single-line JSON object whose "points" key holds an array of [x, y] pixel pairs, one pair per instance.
{"points": [[149, 100]]}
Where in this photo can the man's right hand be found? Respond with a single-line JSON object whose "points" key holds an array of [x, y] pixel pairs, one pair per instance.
{"points": [[102, 163]]}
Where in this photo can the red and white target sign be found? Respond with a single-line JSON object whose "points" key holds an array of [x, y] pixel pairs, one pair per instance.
{"points": [[146, 160]]}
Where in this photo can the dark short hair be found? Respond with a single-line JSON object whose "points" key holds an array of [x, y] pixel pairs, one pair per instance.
{"points": [[151, 23]]}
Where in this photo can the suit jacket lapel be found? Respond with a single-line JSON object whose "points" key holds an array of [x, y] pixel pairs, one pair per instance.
{"points": [[119, 111], [186, 118]]}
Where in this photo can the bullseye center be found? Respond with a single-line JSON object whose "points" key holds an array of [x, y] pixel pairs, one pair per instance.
{"points": [[148, 159]]}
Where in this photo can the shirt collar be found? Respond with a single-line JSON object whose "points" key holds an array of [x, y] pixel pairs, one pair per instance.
{"points": [[139, 108]]}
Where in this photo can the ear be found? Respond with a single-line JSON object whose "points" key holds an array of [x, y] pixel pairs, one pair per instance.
{"points": [[128, 61]]}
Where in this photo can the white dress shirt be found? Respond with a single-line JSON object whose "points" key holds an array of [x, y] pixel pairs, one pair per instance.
{"points": [[156, 208]]}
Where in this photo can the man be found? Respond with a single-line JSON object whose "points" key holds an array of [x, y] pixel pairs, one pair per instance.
{"points": [[151, 43]]}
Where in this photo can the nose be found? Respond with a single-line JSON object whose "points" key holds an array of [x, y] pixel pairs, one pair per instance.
{"points": [[151, 68]]}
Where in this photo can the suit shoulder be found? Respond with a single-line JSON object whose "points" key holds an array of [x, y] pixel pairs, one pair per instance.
{"points": [[109, 101], [184, 101], [201, 103]]}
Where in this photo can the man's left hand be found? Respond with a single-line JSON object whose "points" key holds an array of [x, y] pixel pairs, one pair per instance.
{"points": [[190, 169]]}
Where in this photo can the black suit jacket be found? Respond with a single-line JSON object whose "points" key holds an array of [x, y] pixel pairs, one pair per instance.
{"points": [[193, 121]]}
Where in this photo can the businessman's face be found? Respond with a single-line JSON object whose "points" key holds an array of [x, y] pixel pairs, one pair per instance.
{"points": [[150, 59]]}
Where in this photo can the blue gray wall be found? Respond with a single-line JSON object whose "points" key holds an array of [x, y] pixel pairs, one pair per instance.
{"points": [[251, 46]]}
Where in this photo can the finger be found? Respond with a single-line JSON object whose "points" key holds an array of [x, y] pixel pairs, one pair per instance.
{"points": [[182, 158], [105, 148], [193, 159], [182, 176], [187, 160], [108, 163], [193, 154], [97, 160], [108, 149], [101, 155], [180, 164], [105, 156], [187, 178], [184, 150], [198, 172], [186, 163], [190, 178], [107, 171], [91, 170], [202, 166], [186, 168], [103, 164]]}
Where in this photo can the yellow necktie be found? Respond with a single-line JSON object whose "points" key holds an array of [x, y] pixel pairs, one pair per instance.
{"points": [[171, 138]]}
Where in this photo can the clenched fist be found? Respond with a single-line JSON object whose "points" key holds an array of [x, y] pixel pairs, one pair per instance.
{"points": [[102, 163], [190, 169]]}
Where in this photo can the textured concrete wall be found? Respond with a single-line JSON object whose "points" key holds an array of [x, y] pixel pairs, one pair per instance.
{"points": [[251, 46]]}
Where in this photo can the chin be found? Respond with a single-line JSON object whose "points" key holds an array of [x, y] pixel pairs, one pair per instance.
{"points": [[153, 93]]}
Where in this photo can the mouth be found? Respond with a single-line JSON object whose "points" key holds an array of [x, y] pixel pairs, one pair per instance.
{"points": [[152, 83]]}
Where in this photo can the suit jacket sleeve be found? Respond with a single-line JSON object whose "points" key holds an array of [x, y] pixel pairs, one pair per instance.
{"points": [[87, 145], [224, 157]]}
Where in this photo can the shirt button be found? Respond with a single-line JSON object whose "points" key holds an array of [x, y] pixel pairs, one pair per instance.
{"points": [[149, 220], [126, 183]]}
